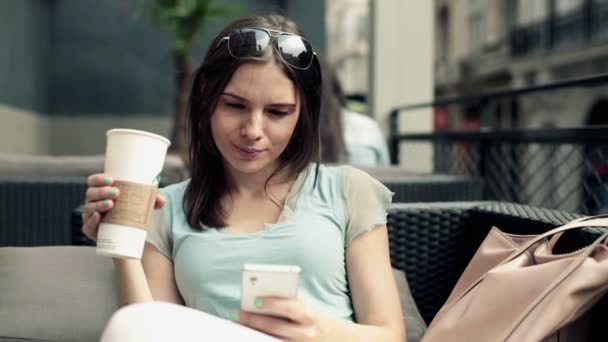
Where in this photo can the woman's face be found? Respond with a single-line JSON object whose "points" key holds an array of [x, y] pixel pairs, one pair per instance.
{"points": [[255, 118]]}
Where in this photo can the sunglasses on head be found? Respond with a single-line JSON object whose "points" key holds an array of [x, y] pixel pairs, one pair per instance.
{"points": [[251, 42]]}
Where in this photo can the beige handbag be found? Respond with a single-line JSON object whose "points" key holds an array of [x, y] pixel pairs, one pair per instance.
{"points": [[516, 289]]}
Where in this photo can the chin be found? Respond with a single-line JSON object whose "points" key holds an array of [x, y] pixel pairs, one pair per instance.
{"points": [[249, 166]]}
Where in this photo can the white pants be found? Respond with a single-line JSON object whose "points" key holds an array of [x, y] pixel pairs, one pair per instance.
{"points": [[158, 321]]}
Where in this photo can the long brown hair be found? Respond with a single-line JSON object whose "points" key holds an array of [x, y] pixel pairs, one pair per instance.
{"points": [[333, 101], [209, 179]]}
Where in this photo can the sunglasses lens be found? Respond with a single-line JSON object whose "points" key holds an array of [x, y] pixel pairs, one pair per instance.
{"points": [[296, 51], [251, 42], [248, 42]]}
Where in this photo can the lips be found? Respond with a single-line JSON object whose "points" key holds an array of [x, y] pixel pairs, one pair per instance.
{"points": [[248, 149], [248, 152]]}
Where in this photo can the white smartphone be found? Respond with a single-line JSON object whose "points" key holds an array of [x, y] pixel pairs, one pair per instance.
{"points": [[260, 280]]}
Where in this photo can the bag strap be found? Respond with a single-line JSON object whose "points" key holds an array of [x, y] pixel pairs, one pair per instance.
{"points": [[553, 240], [590, 221], [563, 275]]}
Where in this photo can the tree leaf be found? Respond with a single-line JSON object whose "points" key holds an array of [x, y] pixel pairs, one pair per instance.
{"points": [[185, 18]]}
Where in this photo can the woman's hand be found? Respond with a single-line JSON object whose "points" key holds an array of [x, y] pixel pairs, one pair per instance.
{"points": [[100, 197], [296, 321]]}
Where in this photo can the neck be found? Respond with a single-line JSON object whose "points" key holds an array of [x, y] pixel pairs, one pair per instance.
{"points": [[254, 184]]}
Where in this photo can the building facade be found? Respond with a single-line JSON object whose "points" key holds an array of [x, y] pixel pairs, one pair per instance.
{"points": [[488, 45]]}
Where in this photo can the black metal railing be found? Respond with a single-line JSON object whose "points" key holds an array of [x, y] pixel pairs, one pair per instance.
{"points": [[565, 169], [558, 168]]}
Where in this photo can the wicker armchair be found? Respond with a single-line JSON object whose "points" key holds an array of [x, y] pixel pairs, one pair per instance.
{"points": [[433, 243]]}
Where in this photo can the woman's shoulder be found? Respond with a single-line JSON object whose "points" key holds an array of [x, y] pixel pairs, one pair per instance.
{"points": [[353, 180], [345, 175], [329, 172], [354, 176], [343, 170]]}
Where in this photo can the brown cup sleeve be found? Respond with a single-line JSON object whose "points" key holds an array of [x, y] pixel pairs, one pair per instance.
{"points": [[134, 205]]}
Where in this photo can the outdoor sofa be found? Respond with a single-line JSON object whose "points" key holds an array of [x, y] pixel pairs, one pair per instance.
{"points": [[66, 293]]}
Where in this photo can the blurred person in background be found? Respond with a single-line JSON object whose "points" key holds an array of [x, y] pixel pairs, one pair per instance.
{"points": [[346, 136], [258, 195]]}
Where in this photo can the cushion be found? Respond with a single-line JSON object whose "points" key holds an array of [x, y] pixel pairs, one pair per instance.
{"points": [[68, 293], [414, 324], [22, 165], [60, 293]]}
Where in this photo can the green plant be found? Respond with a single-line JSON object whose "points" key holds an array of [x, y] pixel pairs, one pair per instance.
{"points": [[184, 20]]}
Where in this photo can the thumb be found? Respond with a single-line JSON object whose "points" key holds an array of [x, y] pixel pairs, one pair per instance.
{"points": [[160, 201]]}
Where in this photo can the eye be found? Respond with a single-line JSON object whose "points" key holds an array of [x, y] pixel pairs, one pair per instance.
{"points": [[235, 105], [278, 113]]}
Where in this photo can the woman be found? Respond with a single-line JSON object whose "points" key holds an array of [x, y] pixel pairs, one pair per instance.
{"points": [[346, 136], [258, 195]]}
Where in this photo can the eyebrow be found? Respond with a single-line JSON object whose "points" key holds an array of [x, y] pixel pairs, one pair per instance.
{"points": [[240, 98]]}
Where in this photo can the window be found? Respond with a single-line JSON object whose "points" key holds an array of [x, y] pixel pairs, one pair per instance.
{"points": [[531, 11], [598, 19], [567, 6], [444, 34], [476, 26]]}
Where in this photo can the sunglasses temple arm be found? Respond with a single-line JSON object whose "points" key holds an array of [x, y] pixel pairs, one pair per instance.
{"points": [[221, 41]]}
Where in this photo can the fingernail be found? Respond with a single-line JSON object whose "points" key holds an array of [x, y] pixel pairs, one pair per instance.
{"points": [[107, 203], [234, 317], [258, 303], [107, 180], [112, 192]]}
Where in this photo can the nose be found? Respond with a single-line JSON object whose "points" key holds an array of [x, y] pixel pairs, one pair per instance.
{"points": [[253, 127]]}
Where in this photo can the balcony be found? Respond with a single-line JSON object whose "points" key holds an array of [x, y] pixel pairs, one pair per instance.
{"points": [[583, 26], [530, 39]]}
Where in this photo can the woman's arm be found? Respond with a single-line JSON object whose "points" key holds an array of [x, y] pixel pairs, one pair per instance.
{"points": [[138, 281], [373, 292], [151, 279]]}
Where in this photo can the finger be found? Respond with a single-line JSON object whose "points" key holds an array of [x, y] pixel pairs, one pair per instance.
{"points": [[88, 210], [160, 201], [274, 326], [98, 206], [91, 225], [100, 179], [101, 193], [95, 208], [292, 309]]}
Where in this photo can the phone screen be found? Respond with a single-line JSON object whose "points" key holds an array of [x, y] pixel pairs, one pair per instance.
{"points": [[259, 280]]}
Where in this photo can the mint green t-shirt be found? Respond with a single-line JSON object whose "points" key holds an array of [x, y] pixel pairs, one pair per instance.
{"points": [[314, 230]]}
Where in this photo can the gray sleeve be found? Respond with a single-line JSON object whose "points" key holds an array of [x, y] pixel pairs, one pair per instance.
{"points": [[367, 202], [159, 233]]}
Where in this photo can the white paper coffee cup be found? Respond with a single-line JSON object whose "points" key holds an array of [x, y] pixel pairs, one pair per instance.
{"points": [[136, 158]]}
